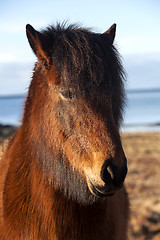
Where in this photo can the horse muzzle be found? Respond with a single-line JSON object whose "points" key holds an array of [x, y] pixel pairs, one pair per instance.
{"points": [[112, 178]]}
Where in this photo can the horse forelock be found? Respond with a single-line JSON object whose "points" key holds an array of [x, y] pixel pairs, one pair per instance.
{"points": [[84, 60], [76, 51]]}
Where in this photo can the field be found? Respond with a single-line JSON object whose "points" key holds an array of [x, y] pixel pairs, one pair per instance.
{"points": [[143, 183]]}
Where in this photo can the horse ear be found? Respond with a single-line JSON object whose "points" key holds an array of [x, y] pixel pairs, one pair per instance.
{"points": [[38, 43], [111, 32]]}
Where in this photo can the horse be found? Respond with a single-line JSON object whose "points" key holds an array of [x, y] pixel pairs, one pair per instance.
{"points": [[63, 172]]}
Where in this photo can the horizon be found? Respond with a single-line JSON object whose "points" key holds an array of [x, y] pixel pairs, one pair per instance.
{"points": [[128, 91]]}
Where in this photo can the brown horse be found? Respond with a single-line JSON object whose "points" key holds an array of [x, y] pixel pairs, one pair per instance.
{"points": [[62, 173]]}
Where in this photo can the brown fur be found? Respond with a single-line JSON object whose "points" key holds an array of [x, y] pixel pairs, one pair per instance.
{"points": [[63, 143]]}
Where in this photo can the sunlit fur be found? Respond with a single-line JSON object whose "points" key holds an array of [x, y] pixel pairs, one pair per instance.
{"points": [[63, 141]]}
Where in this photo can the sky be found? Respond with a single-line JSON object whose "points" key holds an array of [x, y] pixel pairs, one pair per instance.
{"points": [[137, 36]]}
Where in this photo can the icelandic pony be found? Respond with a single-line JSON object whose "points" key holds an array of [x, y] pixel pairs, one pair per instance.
{"points": [[63, 171]]}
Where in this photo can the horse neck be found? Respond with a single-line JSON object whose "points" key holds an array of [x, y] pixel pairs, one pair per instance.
{"points": [[32, 202], [67, 219], [62, 217]]}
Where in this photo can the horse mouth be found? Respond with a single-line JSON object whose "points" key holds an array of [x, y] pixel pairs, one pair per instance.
{"points": [[100, 192]]}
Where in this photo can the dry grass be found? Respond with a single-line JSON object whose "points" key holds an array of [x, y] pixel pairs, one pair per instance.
{"points": [[143, 184]]}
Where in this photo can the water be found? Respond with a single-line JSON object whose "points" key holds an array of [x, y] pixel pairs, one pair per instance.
{"points": [[142, 111], [11, 109]]}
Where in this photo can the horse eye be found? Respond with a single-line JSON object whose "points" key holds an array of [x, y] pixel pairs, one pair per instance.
{"points": [[67, 94]]}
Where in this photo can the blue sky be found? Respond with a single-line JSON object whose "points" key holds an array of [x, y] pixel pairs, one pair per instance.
{"points": [[137, 37]]}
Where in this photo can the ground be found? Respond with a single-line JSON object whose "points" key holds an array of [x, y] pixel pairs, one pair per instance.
{"points": [[142, 182]]}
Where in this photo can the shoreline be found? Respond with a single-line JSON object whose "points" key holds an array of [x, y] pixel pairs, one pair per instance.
{"points": [[6, 130]]}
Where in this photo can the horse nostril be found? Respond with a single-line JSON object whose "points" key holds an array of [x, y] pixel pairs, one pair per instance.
{"points": [[106, 174], [112, 174]]}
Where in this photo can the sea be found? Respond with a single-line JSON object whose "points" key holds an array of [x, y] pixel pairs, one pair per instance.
{"points": [[142, 111]]}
